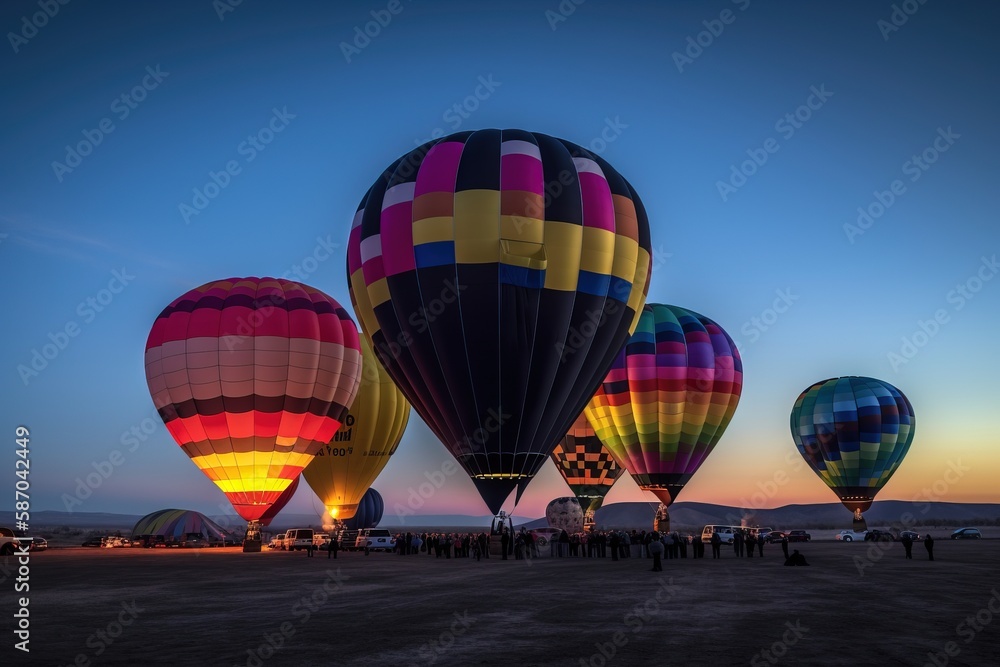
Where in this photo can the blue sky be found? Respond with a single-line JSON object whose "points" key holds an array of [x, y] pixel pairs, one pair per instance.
{"points": [[199, 85]]}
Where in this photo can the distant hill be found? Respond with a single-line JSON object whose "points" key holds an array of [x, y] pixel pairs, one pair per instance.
{"points": [[618, 515], [824, 515]]}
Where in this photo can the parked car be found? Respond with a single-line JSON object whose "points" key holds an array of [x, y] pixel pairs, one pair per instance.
{"points": [[37, 543], [967, 534], [319, 539], [877, 535], [726, 533], [799, 536], [851, 536], [93, 542], [193, 541], [375, 538], [774, 536], [909, 533], [277, 542], [8, 542]]}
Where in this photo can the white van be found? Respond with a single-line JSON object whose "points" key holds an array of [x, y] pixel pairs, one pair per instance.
{"points": [[726, 533], [298, 538]]}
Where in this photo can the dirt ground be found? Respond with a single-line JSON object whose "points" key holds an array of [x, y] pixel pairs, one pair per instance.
{"points": [[855, 604]]}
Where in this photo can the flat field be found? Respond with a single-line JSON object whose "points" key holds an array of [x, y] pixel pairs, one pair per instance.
{"points": [[856, 604]]}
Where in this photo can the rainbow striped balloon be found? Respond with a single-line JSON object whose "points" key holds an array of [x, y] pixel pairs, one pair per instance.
{"points": [[497, 273], [668, 398], [251, 377]]}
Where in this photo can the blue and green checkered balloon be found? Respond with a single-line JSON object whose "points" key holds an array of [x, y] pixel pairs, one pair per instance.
{"points": [[854, 433]]}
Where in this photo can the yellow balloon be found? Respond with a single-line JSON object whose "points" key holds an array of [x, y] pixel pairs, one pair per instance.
{"points": [[342, 471]]}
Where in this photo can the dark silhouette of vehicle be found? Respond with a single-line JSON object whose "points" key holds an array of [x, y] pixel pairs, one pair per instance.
{"points": [[910, 534], [879, 536], [967, 534], [774, 536], [799, 536]]}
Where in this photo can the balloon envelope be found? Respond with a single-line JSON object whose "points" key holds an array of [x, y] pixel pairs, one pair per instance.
{"points": [[279, 504], [853, 432], [668, 398], [565, 514], [369, 512], [497, 273], [251, 376], [588, 468], [345, 467]]}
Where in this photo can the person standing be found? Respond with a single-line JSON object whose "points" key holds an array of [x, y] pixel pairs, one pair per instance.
{"points": [[504, 541], [929, 545], [784, 545], [656, 548], [760, 544], [749, 542], [716, 546], [738, 543], [614, 545], [907, 546], [333, 547]]}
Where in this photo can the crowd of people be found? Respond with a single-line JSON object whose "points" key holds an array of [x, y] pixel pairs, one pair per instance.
{"points": [[616, 544]]}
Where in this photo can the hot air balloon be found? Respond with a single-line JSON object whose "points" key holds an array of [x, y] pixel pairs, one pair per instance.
{"points": [[588, 468], [279, 504], [251, 377], [497, 273], [853, 432], [346, 466], [369, 513], [668, 398], [565, 514]]}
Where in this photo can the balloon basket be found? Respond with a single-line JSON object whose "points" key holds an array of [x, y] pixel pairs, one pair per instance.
{"points": [[661, 520], [252, 539]]}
